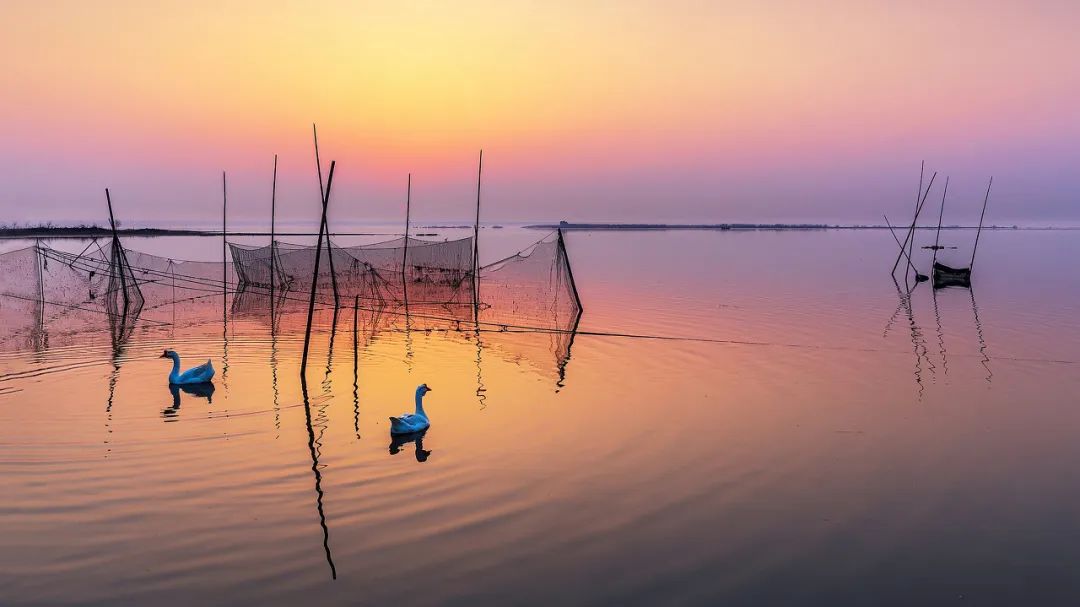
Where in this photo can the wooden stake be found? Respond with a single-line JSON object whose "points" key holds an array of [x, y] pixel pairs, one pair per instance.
{"points": [[405, 254], [569, 272], [918, 207], [981, 216], [224, 255], [315, 276], [903, 251], [329, 250], [476, 242], [918, 194], [273, 204], [941, 213], [914, 221], [118, 258]]}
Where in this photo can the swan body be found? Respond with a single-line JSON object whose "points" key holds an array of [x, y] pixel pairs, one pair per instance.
{"points": [[196, 375], [408, 423]]}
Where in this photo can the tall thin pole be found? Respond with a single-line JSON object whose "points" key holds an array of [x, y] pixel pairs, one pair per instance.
{"points": [[39, 259], [315, 276], [118, 259], [941, 213], [981, 216], [405, 254], [273, 204], [914, 221], [918, 207], [330, 251], [569, 271], [476, 241], [918, 194], [224, 225], [903, 251]]}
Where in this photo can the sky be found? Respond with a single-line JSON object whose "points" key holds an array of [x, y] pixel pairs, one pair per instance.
{"points": [[677, 111]]}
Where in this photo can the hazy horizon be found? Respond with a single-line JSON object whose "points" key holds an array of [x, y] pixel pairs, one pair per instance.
{"points": [[635, 112]]}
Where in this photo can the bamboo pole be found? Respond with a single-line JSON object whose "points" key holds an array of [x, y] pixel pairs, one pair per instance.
{"points": [[569, 272], [941, 213], [273, 268], [39, 260], [918, 194], [315, 276], [476, 242], [118, 259], [918, 207], [914, 221], [324, 226], [224, 242], [405, 254], [903, 251], [981, 216]]}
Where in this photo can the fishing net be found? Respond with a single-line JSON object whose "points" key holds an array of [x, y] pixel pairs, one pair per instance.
{"points": [[397, 285], [47, 295], [531, 300]]}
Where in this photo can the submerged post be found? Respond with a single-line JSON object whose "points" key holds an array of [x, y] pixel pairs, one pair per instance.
{"points": [[979, 231], [941, 213], [315, 275], [405, 254], [324, 226], [476, 242]]}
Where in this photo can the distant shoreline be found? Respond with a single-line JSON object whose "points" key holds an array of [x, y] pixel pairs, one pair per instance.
{"points": [[651, 227], [99, 232]]}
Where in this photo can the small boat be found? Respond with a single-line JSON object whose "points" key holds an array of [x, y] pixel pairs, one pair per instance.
{"points": [[944, 276]]}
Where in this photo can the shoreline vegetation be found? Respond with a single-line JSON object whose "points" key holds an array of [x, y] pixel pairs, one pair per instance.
{"points": [[642, 227], [93, 231], [84, 231]]}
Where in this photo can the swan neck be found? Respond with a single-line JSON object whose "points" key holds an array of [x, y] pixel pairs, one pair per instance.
{"points": [[419, 402], [175, 365]]}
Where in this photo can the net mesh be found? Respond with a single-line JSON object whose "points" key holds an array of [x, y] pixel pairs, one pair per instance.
{"points": [[399, 284], [532, 291]]}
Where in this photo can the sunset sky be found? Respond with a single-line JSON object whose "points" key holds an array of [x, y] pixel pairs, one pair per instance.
{"points": [[611, 111]]}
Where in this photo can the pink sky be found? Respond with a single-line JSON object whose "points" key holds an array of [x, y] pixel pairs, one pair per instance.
{"points": [[611, 111]]}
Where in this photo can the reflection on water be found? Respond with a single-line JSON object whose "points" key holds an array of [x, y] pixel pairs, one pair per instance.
{"points": [[397, 441], [810, 458], [314, 446], [204, 390]]}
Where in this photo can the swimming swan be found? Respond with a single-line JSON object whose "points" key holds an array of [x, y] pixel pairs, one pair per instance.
{"points": [[407, 423], [197, 375]]}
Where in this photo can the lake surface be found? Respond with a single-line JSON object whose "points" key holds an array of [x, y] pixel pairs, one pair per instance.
{"points": [[820, 438]]}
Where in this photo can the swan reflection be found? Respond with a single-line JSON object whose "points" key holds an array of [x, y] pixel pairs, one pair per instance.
{"points": [[197, 390], [397, 441]]}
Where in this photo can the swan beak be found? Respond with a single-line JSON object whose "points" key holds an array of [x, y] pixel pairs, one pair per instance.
{"points": [[164, 355], [430, 390]]}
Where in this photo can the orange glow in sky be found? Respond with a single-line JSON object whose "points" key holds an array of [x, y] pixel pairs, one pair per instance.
{"points": [[642, 111]]}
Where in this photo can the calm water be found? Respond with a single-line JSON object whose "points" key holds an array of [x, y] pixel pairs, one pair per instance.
{"points": [[827, 442]]}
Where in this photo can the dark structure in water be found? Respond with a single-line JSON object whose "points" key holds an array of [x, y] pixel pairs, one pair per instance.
{"points": [[944, 276]]}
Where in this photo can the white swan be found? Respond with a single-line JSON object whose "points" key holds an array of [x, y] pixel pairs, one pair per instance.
{"points": [[196, 375], [407, 423]]}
